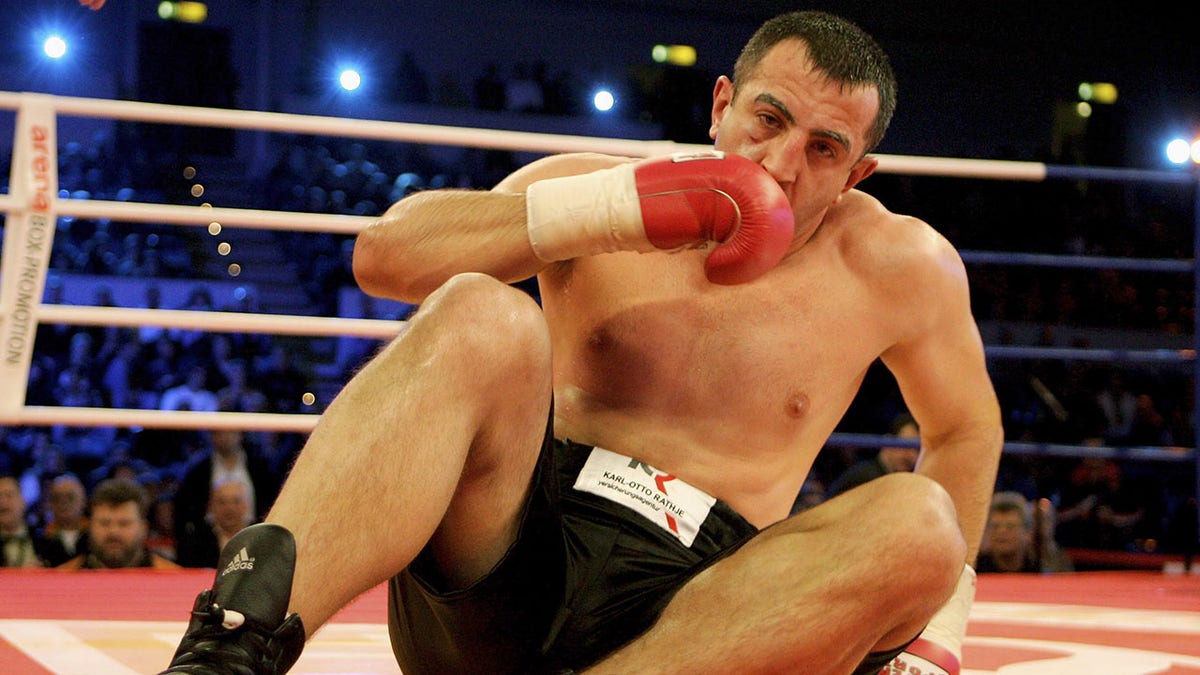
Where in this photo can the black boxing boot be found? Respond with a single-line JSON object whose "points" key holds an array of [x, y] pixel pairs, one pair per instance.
{"points": [[241, 626]]}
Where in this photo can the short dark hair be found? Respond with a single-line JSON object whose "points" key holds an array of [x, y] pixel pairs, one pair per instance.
{"points": [[117, 491], [1013, 502], [837, 47]]}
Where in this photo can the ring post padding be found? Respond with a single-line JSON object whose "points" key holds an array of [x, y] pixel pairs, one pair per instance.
{"points": [[1196, 344], [28, 236]]}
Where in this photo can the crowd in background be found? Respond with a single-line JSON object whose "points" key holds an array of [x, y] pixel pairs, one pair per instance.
{"points": [[1122, 505]]}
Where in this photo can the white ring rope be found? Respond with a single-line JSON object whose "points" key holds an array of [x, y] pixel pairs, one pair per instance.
{"points": [[142, 212], [34, 415], [203, 215], [21, 201], [351, 128], [476, 138], [230, 322]]}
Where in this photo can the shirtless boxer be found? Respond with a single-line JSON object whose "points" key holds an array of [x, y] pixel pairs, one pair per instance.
{"points": [[698, 342]]}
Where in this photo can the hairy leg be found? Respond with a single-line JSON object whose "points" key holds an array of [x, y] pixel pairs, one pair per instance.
{"points": [[815, 593], [439, 433]]}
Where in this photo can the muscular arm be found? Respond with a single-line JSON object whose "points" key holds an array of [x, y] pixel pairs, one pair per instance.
{"points": [[942, 374], [428, 237]]}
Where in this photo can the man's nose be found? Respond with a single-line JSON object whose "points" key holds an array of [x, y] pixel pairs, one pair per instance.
{"points": [[783, 163]]}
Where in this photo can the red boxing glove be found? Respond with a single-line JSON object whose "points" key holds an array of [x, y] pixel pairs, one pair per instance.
{"points": [[667, 203]]}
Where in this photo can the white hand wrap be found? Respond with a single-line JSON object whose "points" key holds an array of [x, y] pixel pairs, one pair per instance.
{"points": [[938, 649], [584, 215], [949, 626]]}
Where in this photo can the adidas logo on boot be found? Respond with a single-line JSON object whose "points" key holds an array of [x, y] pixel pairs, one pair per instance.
{"points": [[241, 561]]}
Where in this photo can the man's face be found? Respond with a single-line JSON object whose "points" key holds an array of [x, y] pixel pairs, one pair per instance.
{"points": [[225, 441], [66, 501], [229, 506], [12, 505], [899, 458], [1006, 533], [807, 132], [118, 534]]}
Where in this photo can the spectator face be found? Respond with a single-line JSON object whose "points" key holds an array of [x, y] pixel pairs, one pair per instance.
{"points": [[118, 534], [12, 505], [66, 501], [900, 458], [226, 440], [1006, 533], [229, 506], [164, 515]]}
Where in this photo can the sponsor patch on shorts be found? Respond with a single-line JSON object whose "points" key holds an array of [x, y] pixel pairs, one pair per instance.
{"points": [[660, 497]]}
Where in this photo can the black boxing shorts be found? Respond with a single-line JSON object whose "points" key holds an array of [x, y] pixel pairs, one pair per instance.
{"points": [[605, 542]]}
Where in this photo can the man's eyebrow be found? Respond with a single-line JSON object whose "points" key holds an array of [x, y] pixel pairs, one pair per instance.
{"points": [[777, 104], [787, 114], [834, 136]]}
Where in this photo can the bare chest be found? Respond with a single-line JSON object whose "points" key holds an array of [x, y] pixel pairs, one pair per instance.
{"points": [[773, 364]]}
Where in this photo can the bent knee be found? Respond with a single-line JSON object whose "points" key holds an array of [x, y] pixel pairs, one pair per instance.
{"points": [[482, 307], [478, 294], [923, 519]]}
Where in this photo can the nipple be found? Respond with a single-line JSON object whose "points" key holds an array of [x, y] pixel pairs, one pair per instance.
{"points": [[599, 340], [797, 405]]}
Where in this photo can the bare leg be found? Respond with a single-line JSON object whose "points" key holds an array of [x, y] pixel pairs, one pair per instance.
{"points": [[438, 434], [816, 593]]}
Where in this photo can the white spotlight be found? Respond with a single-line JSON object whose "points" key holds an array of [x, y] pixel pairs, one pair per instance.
{"points": [[603, 100], [1178, 151], [55, 47], [350, 79]]}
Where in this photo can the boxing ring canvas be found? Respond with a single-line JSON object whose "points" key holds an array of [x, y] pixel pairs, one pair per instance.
{"points": [[125, 622], [129, 621]]}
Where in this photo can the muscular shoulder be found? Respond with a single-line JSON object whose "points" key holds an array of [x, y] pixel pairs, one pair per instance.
{"points": [[884, 243], [901, 257], [558, 165]]}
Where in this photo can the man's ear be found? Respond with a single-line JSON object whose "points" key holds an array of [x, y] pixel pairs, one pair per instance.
{"points": [[861, 169], [722, 99]]}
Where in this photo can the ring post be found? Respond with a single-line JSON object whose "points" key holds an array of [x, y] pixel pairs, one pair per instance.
{"points": [[28, 236], [1192, 550]]}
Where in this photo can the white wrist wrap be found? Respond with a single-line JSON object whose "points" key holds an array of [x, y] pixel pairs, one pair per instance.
{"points": [[948, 627], [584, 215]]}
